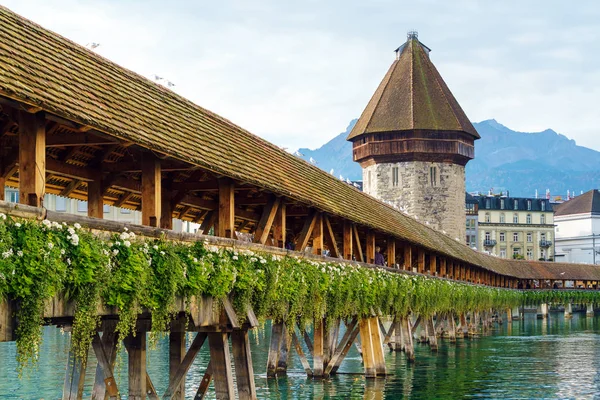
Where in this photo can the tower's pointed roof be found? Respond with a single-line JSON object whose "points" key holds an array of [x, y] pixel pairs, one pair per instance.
{"points": [[412, 95]]}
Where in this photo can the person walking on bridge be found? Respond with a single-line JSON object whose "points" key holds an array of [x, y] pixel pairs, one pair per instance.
{"points": [[379, 260]]}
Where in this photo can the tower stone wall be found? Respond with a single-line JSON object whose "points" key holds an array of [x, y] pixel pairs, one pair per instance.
{"points": [[432, 191]]}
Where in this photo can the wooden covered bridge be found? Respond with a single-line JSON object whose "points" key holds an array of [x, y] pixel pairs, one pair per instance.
{"points": [[77, 125]]}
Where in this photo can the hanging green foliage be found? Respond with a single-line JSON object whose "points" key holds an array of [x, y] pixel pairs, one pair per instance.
{"points": [[40, 260]]}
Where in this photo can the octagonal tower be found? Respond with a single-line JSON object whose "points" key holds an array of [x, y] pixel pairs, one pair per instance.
{"points": [[413, 141]]}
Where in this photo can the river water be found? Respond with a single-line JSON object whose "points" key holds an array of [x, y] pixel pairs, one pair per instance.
{"points": [[534, 359]]}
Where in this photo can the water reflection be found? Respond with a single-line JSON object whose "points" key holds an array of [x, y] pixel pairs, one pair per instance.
{"points": [[530, 359]]}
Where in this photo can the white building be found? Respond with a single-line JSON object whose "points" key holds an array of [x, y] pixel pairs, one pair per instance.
{"points": [[578, 229], [79, 207]]}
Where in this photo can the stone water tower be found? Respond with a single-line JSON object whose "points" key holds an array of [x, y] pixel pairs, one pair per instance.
{"points": [[413, 141]]}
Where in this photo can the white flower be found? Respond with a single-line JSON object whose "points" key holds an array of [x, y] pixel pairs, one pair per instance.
{"points": [[74, 238], [124, 236], [50, 246], [2, 216], [20, 253], [155, 247], [253, 259], [125, 229], [162, 253], [7, 253], [18, 224], [234, 257], [115, 252], [145, 251], [71, 231], [195, 260], [47, 223], [62, 252], [69, 261], [127, 243], [77, 226], [263, 261]]}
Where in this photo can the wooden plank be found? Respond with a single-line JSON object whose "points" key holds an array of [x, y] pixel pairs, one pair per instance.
{"points": [[205, 382], [123, 199], [166, 209], [391, 252], [263, 228], [432, 264], [416, 324], [74, 184], [347, 240], [408, 257], [7, 321], [74, 377], [275, 344], [230, 312], [317, 235], [301, 354], [357, 245], [342, 349], [307, 341], [221, 365], [367, 348], [443, 271], [370, 247], [76, 140], [284, 350], [390, 332], [318, 348], [331, 241], [377, 346], [95, 199], [244, 372], [151, 190], [136, 349], [105, 386], [176, 379], [279, 225], [150, 389], [32, 158], [421, 261], [407, 333], [176, 356], [226, 219], [306, 232]]}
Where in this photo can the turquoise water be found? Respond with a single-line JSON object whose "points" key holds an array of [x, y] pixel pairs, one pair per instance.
{"points": [[534, 359]]}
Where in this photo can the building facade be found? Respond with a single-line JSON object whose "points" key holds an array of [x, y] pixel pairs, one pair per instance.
{"points": [[578, 229], [413, 141], [512, 227], [472, 217]]}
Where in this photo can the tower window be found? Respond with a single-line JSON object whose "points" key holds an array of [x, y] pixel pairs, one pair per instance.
{"points": [[433, 176], [395, 177]]}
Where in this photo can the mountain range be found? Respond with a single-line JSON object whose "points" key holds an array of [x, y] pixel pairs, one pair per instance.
{"points": [[505, 160]]}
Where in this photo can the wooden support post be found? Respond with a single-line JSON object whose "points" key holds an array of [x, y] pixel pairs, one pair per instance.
{"points": [[221, 365], [451, 328], [408, 338], [347, 246], [7, 321], [273, 356], [305, 234], [318, 345], [420, 261], [166, 210], [300, 352], [136, 347], [342, 349], [226, 218], [279, 225], [208, 222], [105, 349], [205, 382], [176, 379], [397, 340], [2, 185], [284, 351], [74, 376], [430, 332], [377, 346], [370, 248], [317, 235], [263, 229], [330, 239], [176, 355], [367, 350], [32, 158], [357, 245], [95, 199], [408, 257], [432, 264], [244, 372], [151, 190], [391, 252], [443, 271]]}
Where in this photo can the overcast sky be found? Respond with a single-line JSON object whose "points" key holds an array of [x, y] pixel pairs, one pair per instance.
{"points": [[296, 72]]}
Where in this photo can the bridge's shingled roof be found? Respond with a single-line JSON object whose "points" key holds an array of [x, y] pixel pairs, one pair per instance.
{"points": [[412, 95], [41, 68]]}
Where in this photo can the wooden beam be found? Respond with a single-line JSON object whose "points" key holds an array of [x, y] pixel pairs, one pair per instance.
{"points": [[225, 225], [330, 239], [166, 211], [367, 348], [123, 199], [208, 222], [32, 158], [74, 184], [274, 346], [443, 269], [263, 229], [370, 249], [318, 367], [279, 225], [391, 252], [212, 185], [176, 356], [74, 376], [136, 349], [242, 358], [357, 244], [432, 264], [76, 139], [347, 244], [95, 200], [221, 365], [105, 350], [317, 235], [70, 171], [408, 257], [420, 260], [2, 187], [151, 190], [306, 232], [178, 377]]}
